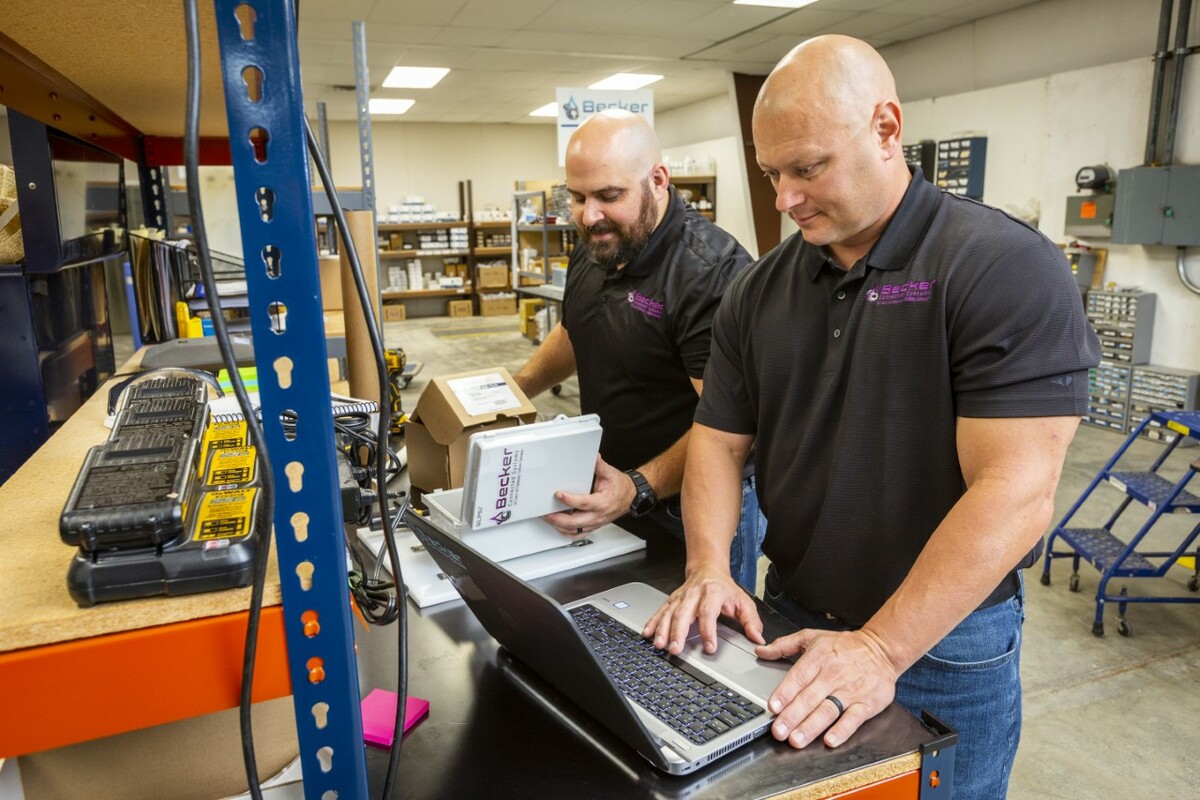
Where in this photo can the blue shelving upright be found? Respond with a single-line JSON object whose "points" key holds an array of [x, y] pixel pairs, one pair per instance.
{"points": [[271, 173]]}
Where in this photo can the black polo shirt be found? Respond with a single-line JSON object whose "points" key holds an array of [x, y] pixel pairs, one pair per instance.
{"points": [[852, 381], [642, 332]]}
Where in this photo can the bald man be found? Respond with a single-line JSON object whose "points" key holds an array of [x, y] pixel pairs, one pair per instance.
{"points": [[642, 287], [910, 367]]}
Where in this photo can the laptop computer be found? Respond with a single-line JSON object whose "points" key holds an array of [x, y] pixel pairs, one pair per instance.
{"points": [[513, 473], [678, 712]]}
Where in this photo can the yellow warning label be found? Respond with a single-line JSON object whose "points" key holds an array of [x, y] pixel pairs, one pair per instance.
{"points": [[224, 514], [228, 467], [227, 433]]}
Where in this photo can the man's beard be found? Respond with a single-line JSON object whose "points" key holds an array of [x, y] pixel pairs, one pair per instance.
{"points": [[627, 242]]}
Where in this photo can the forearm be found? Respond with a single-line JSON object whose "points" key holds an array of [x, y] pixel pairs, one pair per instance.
{"points": [[712, 496], [1002, 515], [551, 364], [665, 471]]}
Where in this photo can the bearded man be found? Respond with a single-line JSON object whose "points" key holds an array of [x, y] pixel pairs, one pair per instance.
{"points": [[642, 288]]}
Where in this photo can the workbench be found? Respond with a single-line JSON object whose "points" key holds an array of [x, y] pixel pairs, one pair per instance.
{"points": [[74, 674]]}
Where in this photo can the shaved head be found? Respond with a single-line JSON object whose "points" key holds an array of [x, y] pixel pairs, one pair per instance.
{"points": [[827, 127], [619, 187], [616, 138], [836, 78]]}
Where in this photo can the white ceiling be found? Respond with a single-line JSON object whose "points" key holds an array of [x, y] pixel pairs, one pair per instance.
{"points": [[506, 57]]}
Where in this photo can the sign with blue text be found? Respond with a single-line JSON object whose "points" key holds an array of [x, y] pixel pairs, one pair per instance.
{"points": [[576, 105]]}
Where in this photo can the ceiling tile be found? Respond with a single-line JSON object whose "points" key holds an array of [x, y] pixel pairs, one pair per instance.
{"points": [[806, 22], [919, 28], [866, 25], [415, 12]]}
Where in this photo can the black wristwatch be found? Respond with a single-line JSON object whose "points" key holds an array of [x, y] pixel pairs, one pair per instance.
{"points": [[645, 500]]}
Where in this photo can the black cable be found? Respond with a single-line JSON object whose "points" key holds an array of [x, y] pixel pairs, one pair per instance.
{"points": [[191, 148], [368, 309]]}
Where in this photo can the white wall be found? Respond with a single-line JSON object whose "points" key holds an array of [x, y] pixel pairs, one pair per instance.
{"points": [[1040, 132], [1031, 42], [429, 159]]}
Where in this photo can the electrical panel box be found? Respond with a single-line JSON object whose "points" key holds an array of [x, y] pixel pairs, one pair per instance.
{"points": [[961, 164], [1089, 216], [1158, 205]]}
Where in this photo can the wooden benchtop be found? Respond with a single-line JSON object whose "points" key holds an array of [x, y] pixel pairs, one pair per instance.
{"points": [[34, 560]]}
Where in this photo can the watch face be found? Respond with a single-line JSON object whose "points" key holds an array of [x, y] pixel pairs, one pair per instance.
{"points": [[642, 504]]}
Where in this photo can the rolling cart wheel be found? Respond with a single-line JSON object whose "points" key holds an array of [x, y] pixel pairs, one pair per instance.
{"points": [[1193, 583], [1097, 628], [1073, 584], [556, 389], [1045, 579], [1124, 628]]}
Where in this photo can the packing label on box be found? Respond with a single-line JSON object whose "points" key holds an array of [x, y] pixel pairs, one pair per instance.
{"points": [[484, 394]]}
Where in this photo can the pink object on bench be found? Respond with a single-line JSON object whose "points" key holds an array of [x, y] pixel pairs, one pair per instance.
{"points": [[379, 716]]}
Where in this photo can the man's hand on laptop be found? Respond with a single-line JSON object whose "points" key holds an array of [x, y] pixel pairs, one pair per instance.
{"points": [[841, 679], [611, 495], [706, 594]]}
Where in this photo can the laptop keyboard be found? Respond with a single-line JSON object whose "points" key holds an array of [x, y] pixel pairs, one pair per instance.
{"points": [[692, 703]]}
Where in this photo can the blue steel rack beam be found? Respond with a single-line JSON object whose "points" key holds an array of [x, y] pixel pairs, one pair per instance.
{"points": [[271, 174]]}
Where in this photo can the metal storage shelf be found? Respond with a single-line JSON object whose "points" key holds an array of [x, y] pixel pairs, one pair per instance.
{"points": [[151, 134]]}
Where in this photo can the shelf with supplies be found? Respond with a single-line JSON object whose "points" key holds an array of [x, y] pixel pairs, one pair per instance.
{"points": [[699, 192], [418, 294], [542, 244], [422, 253]]}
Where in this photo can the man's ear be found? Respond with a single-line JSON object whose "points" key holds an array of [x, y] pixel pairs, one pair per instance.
{"points": [[886, 126], [659, 178]]}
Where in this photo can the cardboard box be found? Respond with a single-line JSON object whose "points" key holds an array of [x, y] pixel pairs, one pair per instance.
{"points": [[460, 308], [394, 312], [450, 409], [527, 311], [205, 760], [494, 276], [330, 270], [496, 306]]}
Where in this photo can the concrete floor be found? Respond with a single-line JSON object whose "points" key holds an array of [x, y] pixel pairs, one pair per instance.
{"points": [[1110, 717]]}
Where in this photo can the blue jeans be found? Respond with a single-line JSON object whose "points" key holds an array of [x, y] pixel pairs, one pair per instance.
{"points": [[970, 680], [747, 541]]}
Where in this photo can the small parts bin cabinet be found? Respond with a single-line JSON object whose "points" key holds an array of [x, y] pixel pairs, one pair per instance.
{"points": [[1112, 556]]}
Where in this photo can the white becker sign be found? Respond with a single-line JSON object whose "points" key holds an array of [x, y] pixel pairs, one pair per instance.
{"points": [[576, 105]]}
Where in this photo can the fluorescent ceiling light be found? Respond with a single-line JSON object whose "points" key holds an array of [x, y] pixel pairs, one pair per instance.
{"points": [[414, 77], [775, 3], [390, 105], [626, 81], [548, 110]]}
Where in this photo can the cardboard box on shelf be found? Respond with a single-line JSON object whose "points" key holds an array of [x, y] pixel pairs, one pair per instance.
{"points": [[497, 305], [450, 409], [394, 312], [493, 276], [459, 308]]}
